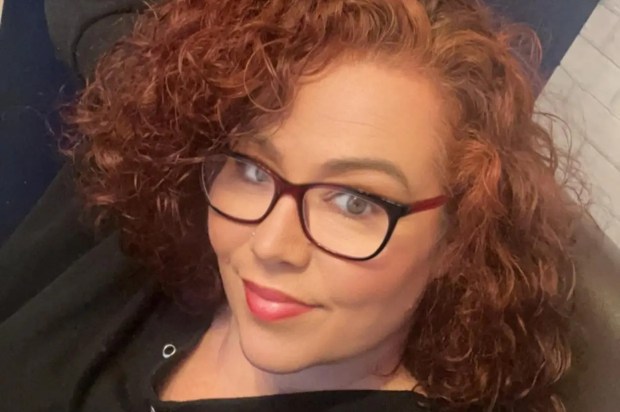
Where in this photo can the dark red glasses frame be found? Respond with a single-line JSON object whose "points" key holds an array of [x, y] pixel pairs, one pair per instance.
{"points": [[282, 187]]}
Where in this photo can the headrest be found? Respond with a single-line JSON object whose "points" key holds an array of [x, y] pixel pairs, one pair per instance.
{"points": [[593, 382]]}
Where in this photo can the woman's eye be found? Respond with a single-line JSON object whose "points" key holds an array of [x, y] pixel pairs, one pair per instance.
{"points": [[351, 204], [253, 173]]}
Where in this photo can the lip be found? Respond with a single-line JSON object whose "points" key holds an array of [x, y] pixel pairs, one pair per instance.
{"points": [[270, 305]]}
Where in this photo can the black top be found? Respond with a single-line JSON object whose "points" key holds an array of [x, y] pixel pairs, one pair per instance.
{"points": [[81, 326]]}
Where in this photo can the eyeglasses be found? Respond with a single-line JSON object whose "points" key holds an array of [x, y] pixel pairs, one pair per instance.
{"points": [[342, 221]]}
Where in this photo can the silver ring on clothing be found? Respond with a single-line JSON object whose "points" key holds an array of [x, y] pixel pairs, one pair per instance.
{"points": [[168, 351]]}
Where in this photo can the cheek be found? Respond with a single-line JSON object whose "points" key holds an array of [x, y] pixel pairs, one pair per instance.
{"points": [[369, 303], [396, 277], [395, 281], [227, 240], [225, 236], [371, 300]]}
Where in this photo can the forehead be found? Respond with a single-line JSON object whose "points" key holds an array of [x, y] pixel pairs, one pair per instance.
{"points": [[363, 110]]}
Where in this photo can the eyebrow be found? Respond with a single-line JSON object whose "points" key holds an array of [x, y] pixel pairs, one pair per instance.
{"points": [[350, 164], [267, 147], [342, 165]]}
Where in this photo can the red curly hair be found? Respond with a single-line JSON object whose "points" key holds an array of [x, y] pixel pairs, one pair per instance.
{"points": [[195, 75]]}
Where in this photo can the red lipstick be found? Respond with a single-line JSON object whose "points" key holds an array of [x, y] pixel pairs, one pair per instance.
{"points": [[271, 305]]}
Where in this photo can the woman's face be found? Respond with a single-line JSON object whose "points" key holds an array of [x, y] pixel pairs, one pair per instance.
{"points": [[354, 111]]}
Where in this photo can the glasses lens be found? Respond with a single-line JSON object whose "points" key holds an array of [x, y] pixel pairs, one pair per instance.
{"points": [[345, 222], [237, 187]]}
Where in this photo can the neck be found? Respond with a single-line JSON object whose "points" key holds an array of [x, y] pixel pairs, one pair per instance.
{"points": [[376, 369]]}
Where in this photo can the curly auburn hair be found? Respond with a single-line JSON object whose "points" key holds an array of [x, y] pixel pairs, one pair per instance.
{"points": [[490, 332]]}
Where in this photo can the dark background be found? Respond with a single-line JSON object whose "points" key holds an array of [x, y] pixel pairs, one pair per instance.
{"points": [[33, 83]]}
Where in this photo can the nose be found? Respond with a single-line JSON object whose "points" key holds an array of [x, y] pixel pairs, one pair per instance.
{"points": [[280, 238]]}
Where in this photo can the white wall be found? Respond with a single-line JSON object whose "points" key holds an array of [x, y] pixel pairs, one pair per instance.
{"points": [[585, 91]]}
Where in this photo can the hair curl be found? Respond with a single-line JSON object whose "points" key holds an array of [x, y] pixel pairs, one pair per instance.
{"points": [[491, 331]]}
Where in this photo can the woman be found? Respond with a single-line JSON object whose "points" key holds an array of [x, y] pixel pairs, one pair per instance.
{"points": [[326, 205]]}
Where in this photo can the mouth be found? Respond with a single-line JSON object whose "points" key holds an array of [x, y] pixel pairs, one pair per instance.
{"points": [[271, 305]]}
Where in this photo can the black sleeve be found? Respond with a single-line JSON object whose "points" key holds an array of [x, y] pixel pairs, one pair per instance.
{"points": [[82, 30], [49, 240], [51, 237]]}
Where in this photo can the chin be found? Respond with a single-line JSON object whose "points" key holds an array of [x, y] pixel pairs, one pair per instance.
{"points": [[273, 363], [274, 354]]}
